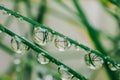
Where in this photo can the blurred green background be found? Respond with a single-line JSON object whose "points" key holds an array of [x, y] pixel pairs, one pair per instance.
{"points": [[61, 16]]}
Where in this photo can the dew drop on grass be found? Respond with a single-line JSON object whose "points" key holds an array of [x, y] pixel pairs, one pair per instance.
{"points": [[20, 19], [64, 74], [77, 48], [112, 67], [17, 61], [48, 77], [42, 36], [42, 59], [93, 61], [18, 46], [62, 43], [6, 13], [9, 14]]}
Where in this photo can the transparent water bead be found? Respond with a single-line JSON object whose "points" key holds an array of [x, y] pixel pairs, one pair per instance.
{"points": [[17, 61], [42, 59], [42, 36], [93, 61], [62, 43], [5, 13], [77, 48], [64, 74], [48, 77], [18, 46], [20, 19], [112, 67]]}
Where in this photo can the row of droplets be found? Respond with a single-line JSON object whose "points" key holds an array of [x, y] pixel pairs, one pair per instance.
{"points": [[21, 49], [92, 60], [9, 14], [42, 37]]}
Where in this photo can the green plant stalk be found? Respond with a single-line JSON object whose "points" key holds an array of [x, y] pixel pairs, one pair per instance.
{"points": [[41, 11], [76, 15], [94, 36], [66, 7], [9, 19], [116, 2], [6, 49], [108, 10], [36, 24], [27, 73], [28, 7], [39, 50], [63, 16]]}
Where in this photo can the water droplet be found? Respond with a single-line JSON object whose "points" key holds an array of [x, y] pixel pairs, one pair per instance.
{"points": [[62, 43], [9, 14], [42, 36], [17, 61], [64, 74], [18, 46], [42, 59], [112, 67], [48, 77], [20, 19], [53, 32], [77, 48], [93, 61], [6, 13]]}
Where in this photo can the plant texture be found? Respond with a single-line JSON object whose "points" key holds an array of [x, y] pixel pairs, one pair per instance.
{"points": [[36, 49]]}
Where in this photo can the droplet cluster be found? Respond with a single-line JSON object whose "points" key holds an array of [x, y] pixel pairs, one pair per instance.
{"points": [[64, 74], [42, 37], [18, 46], [42, 59]]}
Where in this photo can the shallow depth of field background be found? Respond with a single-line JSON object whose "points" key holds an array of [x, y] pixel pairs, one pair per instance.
{"points": [[61, 20]]}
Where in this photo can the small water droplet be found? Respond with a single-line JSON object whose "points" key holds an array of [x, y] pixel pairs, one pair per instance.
{"points": [[18, 46], [62, 43], [64, 74], [53, 32], [112, 67], [17, 61], [48, 77], [20, 19], [42, 59], [6, 13], [93, 61], [77, 48], [9, 14], [42, 36]]}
